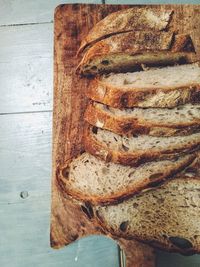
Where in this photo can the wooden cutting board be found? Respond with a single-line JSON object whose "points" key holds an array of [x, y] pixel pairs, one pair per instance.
{"points": [[72, 23]]}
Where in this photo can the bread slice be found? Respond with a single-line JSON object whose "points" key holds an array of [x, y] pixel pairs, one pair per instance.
{"points": [[182, 120], [127, 51], [126, 62], [165, 217], [136, 150], [87, 178], [165, 87], [132, 19]]}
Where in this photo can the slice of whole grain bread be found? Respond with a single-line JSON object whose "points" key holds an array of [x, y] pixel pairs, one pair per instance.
{"points": [[165, 87], [136, 150], [89, 179], [166, 217], [126, 51], [126, 62], [182, 120]]}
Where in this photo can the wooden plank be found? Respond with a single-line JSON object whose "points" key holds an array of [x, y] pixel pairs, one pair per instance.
{"points": [[69, 106], [25, 156], [38, 11], [26, 68]]}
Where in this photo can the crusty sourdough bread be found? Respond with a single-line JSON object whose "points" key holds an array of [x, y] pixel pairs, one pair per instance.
{"points": [[182, 120], [126, 51], [126, 62], [87, 178], [136, 150], [165, 217], [165, 87], [125, 20]]}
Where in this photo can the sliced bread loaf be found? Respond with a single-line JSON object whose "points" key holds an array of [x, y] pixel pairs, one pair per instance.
{"points": [[87, 178], [165, 217], [136, 150], [127, 51], [182, 120], [125, 20], [165, 87]]}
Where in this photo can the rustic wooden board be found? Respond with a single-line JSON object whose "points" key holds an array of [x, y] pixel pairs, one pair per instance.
{"points": [[68, 222], [72, 23]]}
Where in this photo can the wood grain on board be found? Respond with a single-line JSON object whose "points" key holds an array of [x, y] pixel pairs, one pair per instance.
{"points": [[69, 223], [72, 23]]}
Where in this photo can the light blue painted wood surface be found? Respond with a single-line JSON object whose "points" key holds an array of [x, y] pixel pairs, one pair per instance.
{"points": [[25, 156], [31, 11], [26, 68], [26, 76]]}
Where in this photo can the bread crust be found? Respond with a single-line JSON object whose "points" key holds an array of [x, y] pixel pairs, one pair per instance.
{"points": [[118, 197], [133, 158], [136, 42], [136, 126], [127, 20], [182, 42], [153, 243], [116, 97]]}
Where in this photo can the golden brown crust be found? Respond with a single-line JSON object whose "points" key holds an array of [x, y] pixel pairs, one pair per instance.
{"points": [[134, 97], [136, 126], [133, 158], [127, 20], [99, 118], [182, 42], [117, 197]]}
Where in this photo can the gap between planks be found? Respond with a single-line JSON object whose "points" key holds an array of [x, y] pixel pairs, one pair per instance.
{"points": [[25, 24], [26, 112]]}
